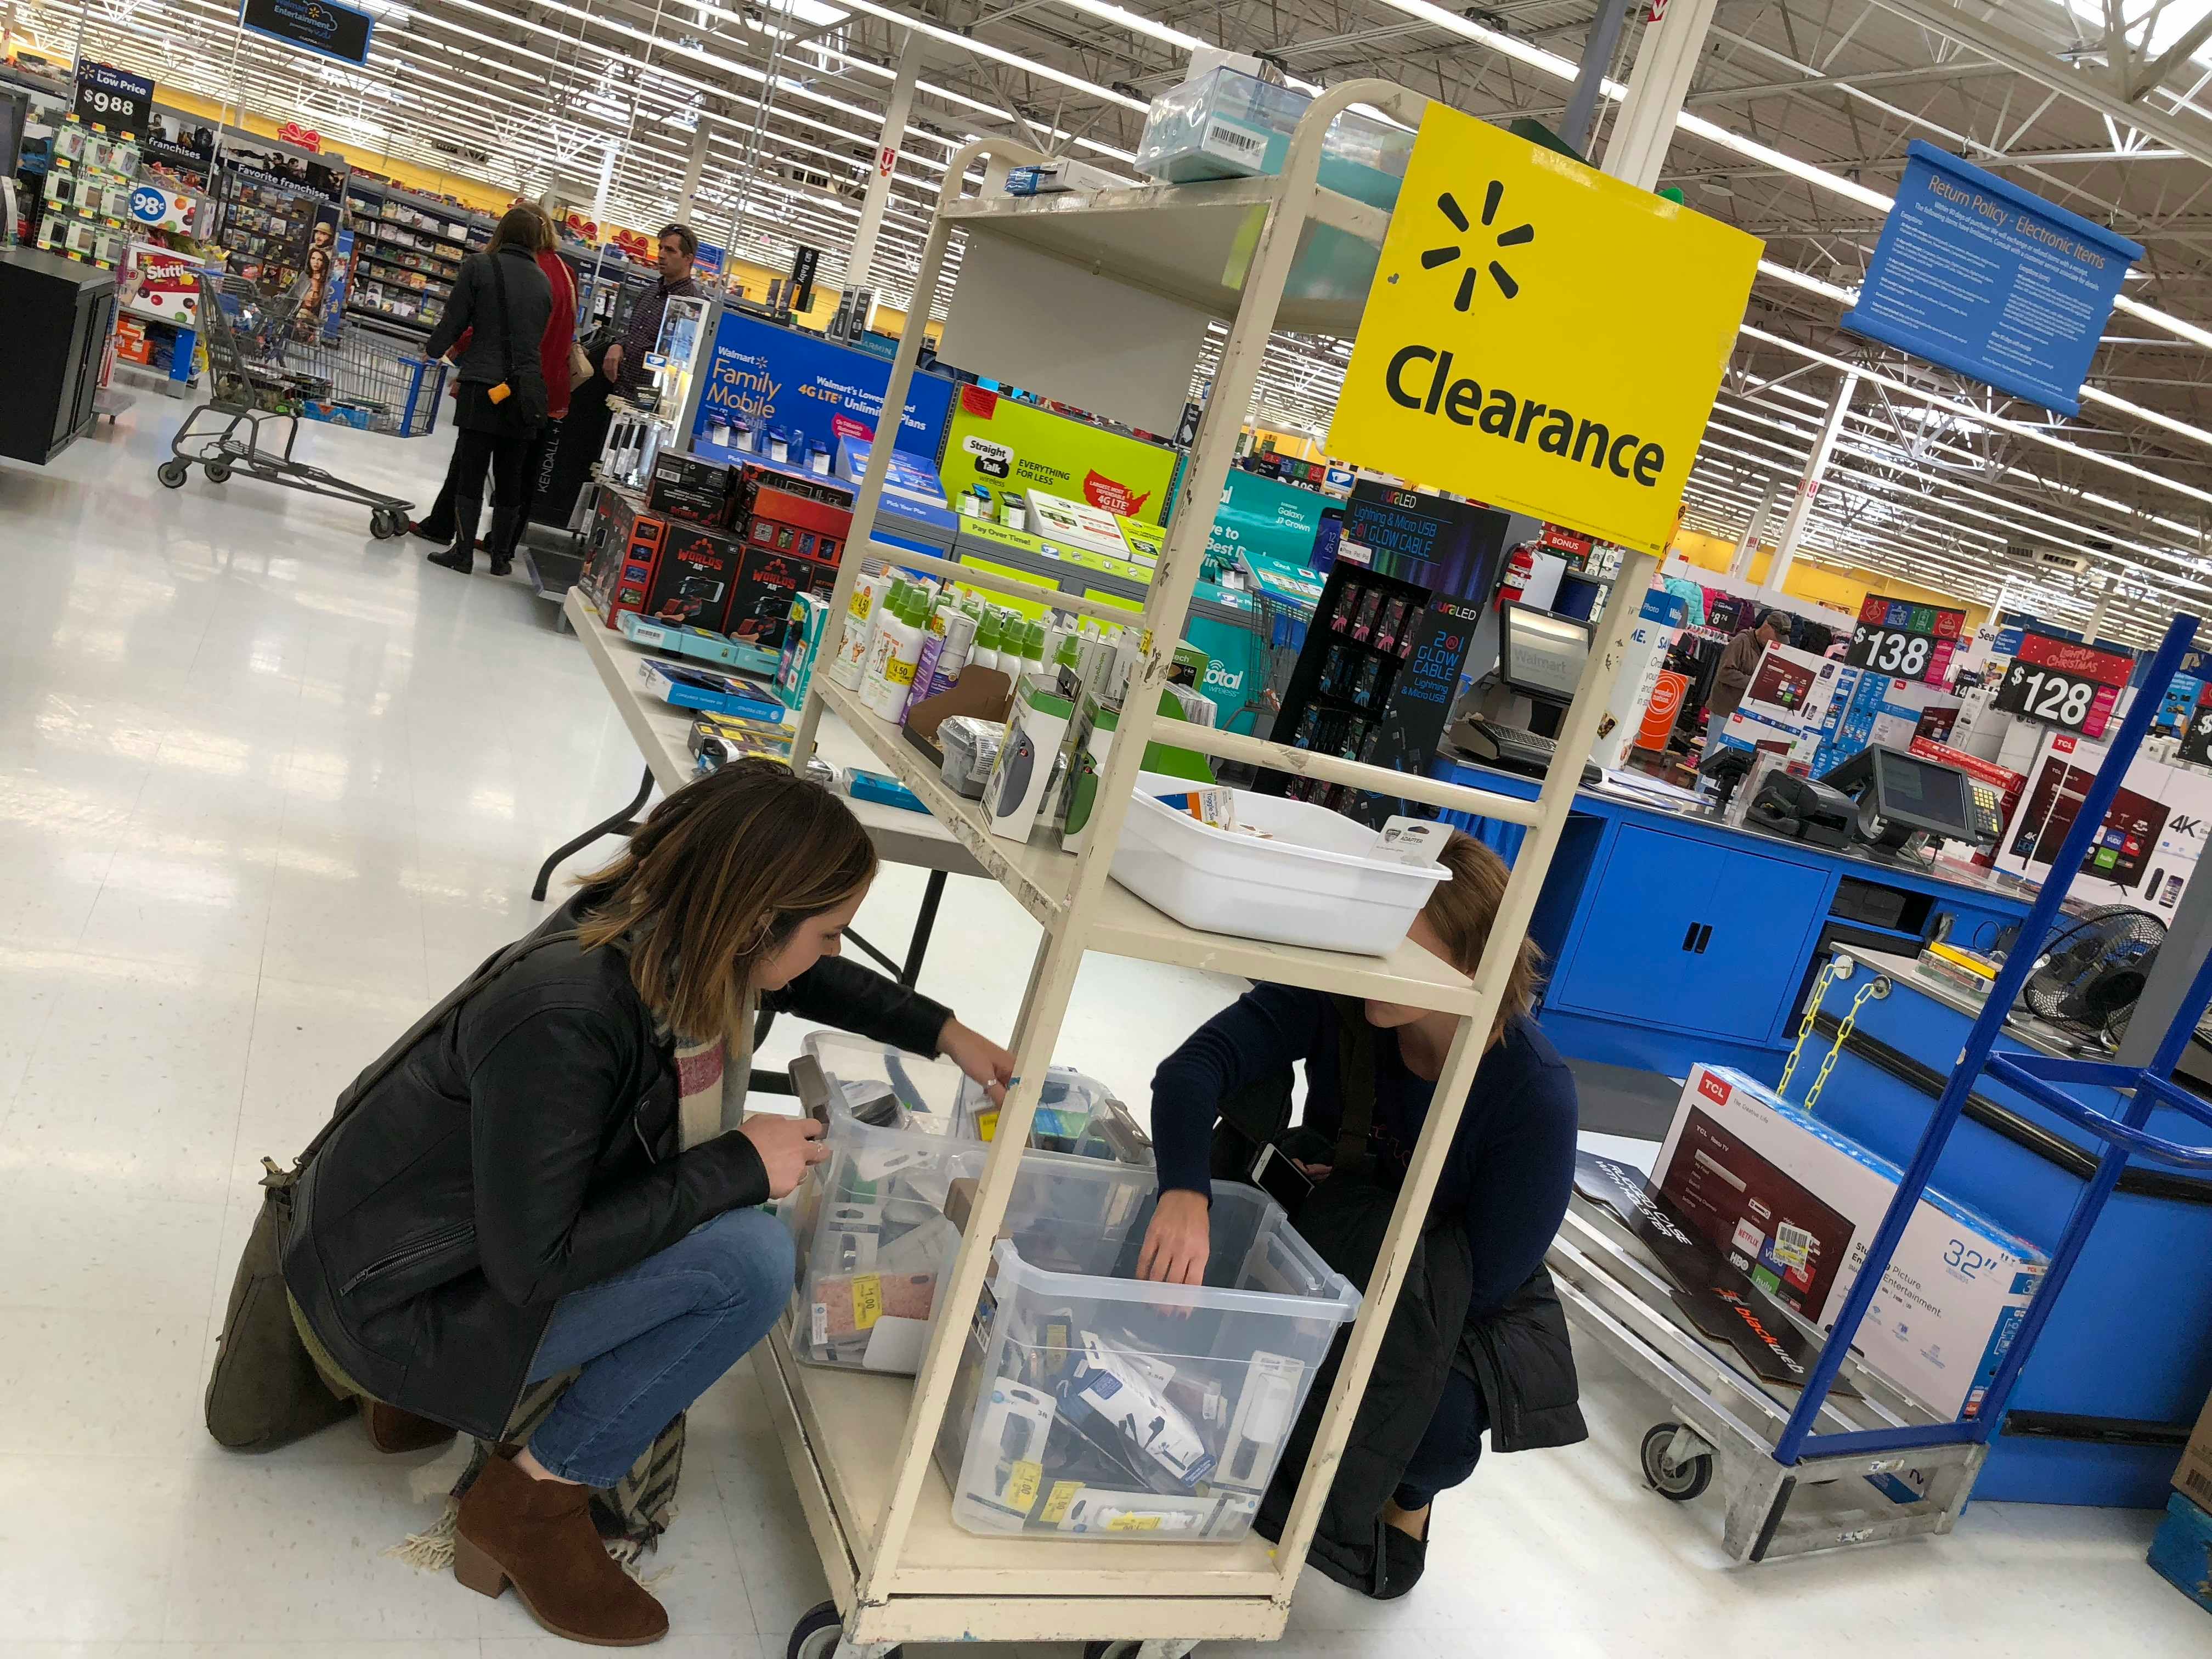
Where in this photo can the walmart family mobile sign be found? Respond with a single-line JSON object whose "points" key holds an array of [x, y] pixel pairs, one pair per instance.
{"points": [[1541, 337]]}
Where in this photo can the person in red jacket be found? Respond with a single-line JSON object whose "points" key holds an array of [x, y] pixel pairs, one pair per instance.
{"points": [[554, 355]]}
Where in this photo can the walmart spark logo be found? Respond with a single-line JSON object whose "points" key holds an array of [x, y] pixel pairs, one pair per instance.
{"points": [[1519, 235]]}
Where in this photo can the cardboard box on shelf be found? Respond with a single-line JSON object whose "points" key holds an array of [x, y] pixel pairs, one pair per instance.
{"points": [[693, 577], [2194, 1476], [1794, 1202], [688, 487]]}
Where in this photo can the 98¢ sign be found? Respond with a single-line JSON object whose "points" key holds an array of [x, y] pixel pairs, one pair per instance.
{"points": [[2063, 683]]}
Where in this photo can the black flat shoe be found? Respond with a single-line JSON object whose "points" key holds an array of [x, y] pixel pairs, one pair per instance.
{"points": [[502, 566], [1404, 1558], [422, 528], [462, 559]]}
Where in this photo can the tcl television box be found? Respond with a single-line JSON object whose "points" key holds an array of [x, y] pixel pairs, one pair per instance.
{"points": [[1795, 1203]]}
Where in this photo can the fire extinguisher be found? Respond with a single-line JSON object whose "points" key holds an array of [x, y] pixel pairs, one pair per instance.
{"points": [[1519, 565]]}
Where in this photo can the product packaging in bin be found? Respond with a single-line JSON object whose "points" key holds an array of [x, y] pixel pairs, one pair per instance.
{"points": [[1076, 1114], [869, 1221], [1261, 866], [1089, 1403]]}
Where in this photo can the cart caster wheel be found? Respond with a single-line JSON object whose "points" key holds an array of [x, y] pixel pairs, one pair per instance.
{"points": [[1679, 1482], [818, 1631], [1111, 1650], [218, 472], [172, 474], [379, 526]]}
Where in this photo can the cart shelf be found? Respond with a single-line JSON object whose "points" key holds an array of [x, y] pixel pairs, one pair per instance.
{"points": [[1194, 243], [1123, 925], [856, 1423]]}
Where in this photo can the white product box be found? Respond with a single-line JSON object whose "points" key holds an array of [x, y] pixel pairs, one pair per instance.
{"points": [[1785, 706], [1076, 524], [1795, 1203]]}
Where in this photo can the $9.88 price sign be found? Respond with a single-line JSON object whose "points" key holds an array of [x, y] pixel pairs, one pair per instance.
{"points": [[2064, 683], [114, 99]]}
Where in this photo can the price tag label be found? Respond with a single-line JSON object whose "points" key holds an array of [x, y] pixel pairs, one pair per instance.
{"points": [[1887, 651], [867, 1301], [2063, 683], [1056, 1505], [112, 99], [1022, 1483]]}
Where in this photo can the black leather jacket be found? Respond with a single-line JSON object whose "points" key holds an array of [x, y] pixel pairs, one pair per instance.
{"points": [[503, 345], [526, 1148]]}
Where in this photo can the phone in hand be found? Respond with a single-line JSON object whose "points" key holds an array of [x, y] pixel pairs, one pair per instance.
{"points": [[1274, 1174]]}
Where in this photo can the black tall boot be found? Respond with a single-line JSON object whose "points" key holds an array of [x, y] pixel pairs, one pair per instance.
{"points": [[461, 557], [505, 533]]}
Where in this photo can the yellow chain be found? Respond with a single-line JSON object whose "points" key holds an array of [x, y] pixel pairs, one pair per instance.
{"points": [[1805, 1029], [1842, 1035]]}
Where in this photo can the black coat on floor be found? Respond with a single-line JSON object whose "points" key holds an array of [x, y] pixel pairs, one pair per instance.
{"points": [[528, 1146]]}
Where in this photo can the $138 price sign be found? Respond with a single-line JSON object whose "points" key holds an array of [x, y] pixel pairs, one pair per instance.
{"points": [[1906, 641], [2064, 683]]}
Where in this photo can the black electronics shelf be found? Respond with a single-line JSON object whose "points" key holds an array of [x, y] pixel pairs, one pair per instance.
{"points": [[444, 283], [1362, 631]]}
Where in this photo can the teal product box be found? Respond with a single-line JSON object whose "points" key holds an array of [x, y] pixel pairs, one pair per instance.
{"points": [[1229, 124], [681, 686], [802, 642], [700, 642], [2181, 1554]]}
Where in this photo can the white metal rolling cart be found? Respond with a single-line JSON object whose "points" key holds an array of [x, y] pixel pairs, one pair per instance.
{"points": [[859, 1445]]}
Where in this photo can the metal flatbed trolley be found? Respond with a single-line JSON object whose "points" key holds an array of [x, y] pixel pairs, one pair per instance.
{"points": [[1769, 1445], [860, 1444]]}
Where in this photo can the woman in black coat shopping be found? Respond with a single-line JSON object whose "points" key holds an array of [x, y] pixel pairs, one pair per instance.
{"points": [[561, 1175], [502, 302]]}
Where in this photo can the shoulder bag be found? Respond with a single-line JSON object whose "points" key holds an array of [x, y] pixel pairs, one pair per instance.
{"points": [[265, 1391], [531, 406]]}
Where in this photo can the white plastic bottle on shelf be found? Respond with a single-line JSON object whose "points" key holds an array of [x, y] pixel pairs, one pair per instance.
{"points": [[861, 618], [898, 645], [984, 653]]}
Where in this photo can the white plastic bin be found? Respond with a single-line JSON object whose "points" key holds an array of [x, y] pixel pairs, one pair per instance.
{"points": [[1314, 884], [1089, 1403]]}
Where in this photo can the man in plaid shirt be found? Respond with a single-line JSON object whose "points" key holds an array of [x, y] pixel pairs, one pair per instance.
{"points": [[625, 364]]}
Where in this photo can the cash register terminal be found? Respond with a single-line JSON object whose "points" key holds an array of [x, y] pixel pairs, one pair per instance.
{"points": [[1541, 657], [1898, 794]]}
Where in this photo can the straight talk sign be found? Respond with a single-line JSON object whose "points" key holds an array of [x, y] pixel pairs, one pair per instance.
{"points": [[1540, 337]]}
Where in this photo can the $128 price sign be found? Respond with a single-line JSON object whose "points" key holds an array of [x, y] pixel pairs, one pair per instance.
{"points": [[2064, 683]]}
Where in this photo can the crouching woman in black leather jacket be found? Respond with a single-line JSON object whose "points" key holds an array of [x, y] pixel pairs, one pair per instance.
{"points": [[544, 1182]]}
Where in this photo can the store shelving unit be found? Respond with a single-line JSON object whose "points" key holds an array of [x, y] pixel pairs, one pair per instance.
{"points": [[860, 1446], [389, 244]]}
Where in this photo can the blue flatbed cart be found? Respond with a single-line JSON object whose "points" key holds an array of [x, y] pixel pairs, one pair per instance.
{"points": [[1804, 1469]]}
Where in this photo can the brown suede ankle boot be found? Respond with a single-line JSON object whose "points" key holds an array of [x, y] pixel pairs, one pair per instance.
{"points": [[392, 1429], [539, 1536]]}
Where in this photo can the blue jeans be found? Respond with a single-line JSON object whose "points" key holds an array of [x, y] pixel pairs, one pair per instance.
{"points": [[653, 1339]]}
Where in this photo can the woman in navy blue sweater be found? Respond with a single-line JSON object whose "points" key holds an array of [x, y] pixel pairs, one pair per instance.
{"points": [[1507, 1177]]}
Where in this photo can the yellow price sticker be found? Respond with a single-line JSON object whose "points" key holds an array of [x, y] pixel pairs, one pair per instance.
{"points": [[1022, 1483], [867, 1301], [1055, 1503], [1496, 357], [1133, 1524]]}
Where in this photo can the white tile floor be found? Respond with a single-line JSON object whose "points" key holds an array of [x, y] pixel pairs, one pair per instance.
{"points": [[265, 787]]}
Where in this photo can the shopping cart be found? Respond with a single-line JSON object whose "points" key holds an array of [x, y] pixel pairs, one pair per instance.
{"points": [[251, 381]]}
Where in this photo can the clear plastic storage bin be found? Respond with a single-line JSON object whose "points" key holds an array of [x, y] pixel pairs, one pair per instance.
{"points": [[1089, 1403], [1229, 124], [869, 1221]]}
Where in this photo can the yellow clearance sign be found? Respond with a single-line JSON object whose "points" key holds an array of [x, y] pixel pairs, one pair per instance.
{"points": [[1541, 337]]}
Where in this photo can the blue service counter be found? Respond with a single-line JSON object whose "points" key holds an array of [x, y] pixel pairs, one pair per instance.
{"points": [[1674, 939], [2125, 1364]]}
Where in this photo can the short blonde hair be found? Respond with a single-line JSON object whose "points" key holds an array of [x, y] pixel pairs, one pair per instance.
{"points": [[1461, 910]]}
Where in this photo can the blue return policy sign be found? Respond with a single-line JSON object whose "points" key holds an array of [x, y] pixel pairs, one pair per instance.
{"points": [[1976, 273]]}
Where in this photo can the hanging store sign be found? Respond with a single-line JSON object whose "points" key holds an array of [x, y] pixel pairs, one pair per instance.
{"points": [[1976, 273], [1906, 641], [318, 26], [113, 100], [2060, 682], [772, 377], [1496, 359], [1003, 445], [305, 137]]}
